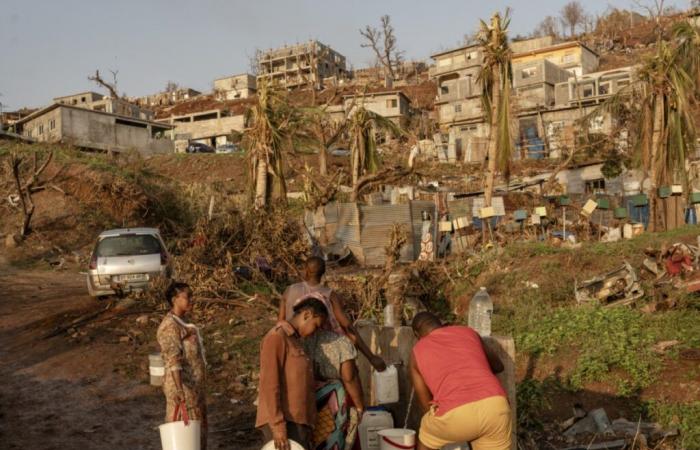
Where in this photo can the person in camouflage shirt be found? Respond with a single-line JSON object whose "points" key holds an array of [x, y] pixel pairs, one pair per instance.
{"points": [[185, 363]]}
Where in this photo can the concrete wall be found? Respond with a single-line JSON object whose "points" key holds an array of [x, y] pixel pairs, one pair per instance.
{"points": [[469, 143], [46, 128], [589, 61], [395, 345], [574, 89], [79, 99], [120, 107], [212, 132], [104, 132], [575, 58], [455, 60], [575, 180], [528, 45], [236, 86], [536, 72], [212, 127], [468, 109], [392, 105]]}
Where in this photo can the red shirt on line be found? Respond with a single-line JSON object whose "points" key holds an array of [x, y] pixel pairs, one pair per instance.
{"points": [[455, 369]]}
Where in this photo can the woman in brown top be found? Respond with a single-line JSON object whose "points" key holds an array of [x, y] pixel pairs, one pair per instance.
{"points": [[286, 404], [183, 355]]}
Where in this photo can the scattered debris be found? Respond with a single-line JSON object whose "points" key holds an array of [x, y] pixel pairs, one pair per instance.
{"points": [[663, 346], [618, 287], [650, 430], [610, 445]]}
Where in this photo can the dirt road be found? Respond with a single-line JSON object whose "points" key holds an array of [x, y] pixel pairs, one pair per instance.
{"points": [[62, 392]]}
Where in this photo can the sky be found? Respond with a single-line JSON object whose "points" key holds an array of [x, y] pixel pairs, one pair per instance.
{"points": [[49, 47]]}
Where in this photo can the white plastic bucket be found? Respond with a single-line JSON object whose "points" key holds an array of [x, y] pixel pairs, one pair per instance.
{"points": [[294, 445], [397, 438], [181, 435], [156, 369], [386, 386]]}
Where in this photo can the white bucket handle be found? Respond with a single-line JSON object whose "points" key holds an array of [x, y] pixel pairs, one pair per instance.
{"points": [[397, 445]]}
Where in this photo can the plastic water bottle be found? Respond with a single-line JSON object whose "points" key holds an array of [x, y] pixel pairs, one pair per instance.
{"points": [[480, 312]]}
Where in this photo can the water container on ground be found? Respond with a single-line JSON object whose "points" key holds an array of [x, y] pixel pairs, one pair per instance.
{"points": [[372, 422], [386, 385], [156, 369], [480, 312], [397, 439]]}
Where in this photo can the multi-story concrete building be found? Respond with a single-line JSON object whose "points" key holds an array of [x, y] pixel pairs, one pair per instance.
{"points": [[573, 56], [214, 127], [534, 84], [540, 68], [458, 102], [546, 131], [389, 103], [235, 87], [99, 102], [87, 128], [166, 98], [301, 65], [592, 88]]}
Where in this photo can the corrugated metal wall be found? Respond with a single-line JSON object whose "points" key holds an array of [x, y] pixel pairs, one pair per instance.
{"points": [[366, 229]]}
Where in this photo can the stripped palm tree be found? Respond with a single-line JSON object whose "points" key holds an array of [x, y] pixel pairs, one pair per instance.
{"points": [[273, 124], [363, 128], [664, 90], [496, 79]]}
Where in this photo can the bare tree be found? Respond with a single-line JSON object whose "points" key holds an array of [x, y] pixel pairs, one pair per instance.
{"points": [[171, 86], [383, 43], [548, 27], [572, 15], [254, 61], [111, 87], [27, 186], [655, 9]]}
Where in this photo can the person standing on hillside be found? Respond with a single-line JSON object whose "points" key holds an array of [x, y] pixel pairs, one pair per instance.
{"points": [[453, 375], [182, 350]]}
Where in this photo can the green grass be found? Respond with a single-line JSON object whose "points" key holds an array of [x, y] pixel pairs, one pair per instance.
{"points": [[685, 416]]}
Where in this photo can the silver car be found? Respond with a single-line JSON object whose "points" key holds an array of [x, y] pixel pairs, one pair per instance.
{"points": [[126, 260]]}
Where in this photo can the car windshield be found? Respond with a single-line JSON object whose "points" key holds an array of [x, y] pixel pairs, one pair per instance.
{"points": [[129, 245]]}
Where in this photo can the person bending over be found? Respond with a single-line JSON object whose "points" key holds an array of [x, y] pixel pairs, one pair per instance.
{"points": [[453, 375]]}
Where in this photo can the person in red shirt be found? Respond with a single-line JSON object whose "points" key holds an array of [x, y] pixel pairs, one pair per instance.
{"points": [[453, 375]]}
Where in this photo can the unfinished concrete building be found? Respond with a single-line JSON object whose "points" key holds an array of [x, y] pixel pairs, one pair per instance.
{"points": [[214, 127], [166, 98], [458, 102], [96, 130], [235, 87], [534, 84], [592, 88], [573, 56], [310, 64], [389, 103], [99, 102], [544, 132]]}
